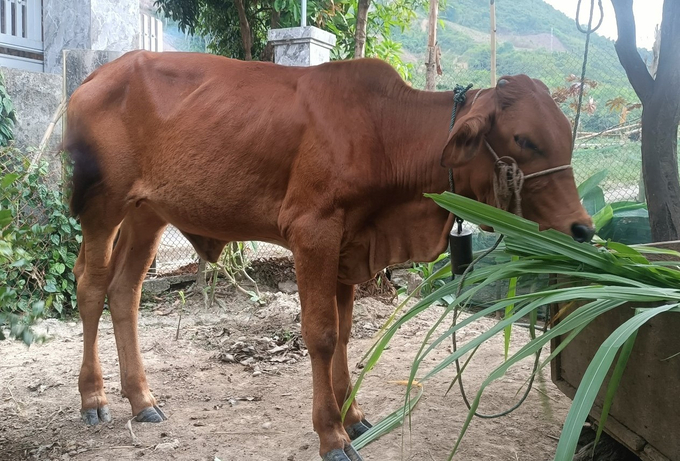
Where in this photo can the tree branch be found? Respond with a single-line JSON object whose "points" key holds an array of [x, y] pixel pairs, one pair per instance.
{"points": [[668, 70], [626, 48], [361, 23], [246, 38]]}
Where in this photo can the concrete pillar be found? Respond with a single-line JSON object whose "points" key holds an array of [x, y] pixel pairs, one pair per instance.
{"points": [[301, 46], [78, 64], [103, 25]]}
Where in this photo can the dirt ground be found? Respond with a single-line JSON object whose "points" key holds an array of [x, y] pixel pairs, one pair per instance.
{"points": [[236, 385]]}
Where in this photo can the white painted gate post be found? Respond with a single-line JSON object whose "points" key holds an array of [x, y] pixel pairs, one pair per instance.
{"points": [[301, 46]]}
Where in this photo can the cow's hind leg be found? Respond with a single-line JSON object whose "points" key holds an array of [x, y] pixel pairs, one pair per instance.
{"points": [[317, 267], [93, 275], [140, 235], [355, 424]]}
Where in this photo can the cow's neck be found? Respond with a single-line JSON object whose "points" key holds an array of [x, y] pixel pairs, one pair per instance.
{"points": [[415, 127]]}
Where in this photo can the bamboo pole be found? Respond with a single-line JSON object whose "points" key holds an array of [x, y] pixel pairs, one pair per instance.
{"points": [[48, 133]]}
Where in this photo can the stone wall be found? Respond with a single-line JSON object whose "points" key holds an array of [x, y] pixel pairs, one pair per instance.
{"points": [[81, 63], [36, 96], [110, 25], [65, 25], [115, 25], [301, 46]]}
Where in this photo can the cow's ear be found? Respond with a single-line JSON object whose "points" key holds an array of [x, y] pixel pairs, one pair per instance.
{"points": [[468, 132]]}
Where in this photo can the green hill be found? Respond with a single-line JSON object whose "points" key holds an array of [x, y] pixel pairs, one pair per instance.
{"points": [[532, 38]]}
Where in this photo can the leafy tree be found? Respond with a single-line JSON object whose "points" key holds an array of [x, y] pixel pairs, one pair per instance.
{"points": [[660, 114], [238, 28]]}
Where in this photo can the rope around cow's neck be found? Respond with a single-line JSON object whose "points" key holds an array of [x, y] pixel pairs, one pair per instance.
{"points": [[509, 179]]}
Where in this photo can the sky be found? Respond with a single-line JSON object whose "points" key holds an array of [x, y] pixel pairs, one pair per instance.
{"points": [[647, 15]]}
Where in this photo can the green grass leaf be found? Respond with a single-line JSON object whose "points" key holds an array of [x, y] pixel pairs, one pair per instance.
{"points": [[591, 183], [614, 382], [512, 291]]}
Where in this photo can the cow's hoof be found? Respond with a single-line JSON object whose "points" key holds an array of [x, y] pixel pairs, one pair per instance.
{"points": [[93, 416], [151, 415], [358, 429], [346, 454]]}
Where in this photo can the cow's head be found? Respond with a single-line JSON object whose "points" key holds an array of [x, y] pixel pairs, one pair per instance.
{"points": [[519, 121]]}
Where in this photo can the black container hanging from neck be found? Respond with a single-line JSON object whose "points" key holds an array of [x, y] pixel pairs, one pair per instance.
{"points": [[460, 240], [460, 247]]}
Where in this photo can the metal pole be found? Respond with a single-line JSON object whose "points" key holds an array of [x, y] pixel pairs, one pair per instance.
{"points": [[492, 6], [304, 14]]}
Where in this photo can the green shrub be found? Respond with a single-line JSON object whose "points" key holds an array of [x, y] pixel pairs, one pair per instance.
{"points": [[38, 247], [8, 116]]}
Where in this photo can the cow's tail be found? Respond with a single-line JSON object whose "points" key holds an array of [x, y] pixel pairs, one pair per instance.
{"points": [[87, 175]]}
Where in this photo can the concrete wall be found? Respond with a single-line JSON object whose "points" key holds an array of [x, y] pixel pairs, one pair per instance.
{"points": [[115, 25], [65, 25], [36, 97], [81, 63], [109, 25], [301, 46]]}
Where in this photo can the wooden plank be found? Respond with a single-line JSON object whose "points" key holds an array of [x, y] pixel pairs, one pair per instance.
{"points": [[19, 19], [159, 34], [21, 43], [20, 63], [8, 17], [152, 34], [34, 23], [154, 47], [146, 33]]}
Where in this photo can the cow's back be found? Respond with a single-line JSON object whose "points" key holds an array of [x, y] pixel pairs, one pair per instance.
{"points": [[206, 141]]}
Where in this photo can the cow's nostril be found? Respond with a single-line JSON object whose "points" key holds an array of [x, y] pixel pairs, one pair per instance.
{"points": [[582, 233]]}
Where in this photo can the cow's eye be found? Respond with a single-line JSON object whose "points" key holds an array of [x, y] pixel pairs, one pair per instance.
{"points": [[524, 143]]}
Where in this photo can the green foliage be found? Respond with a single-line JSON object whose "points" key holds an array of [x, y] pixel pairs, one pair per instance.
{"points": [[19, 325], [384, 20], [426, 270], [233, 265], [218, 22], [39, 242], [602, 279], [622, 221], [8, 116]]}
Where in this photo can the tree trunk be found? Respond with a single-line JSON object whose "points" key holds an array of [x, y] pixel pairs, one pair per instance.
{"points": [[274, 24], [660, 114], [246, 37], [431, 65], [360, 34], [642, 196]]}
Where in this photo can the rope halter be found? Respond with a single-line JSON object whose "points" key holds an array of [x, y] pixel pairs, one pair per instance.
{"points": [[509, 179]]}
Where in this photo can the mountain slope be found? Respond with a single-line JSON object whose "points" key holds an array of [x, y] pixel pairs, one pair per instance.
{"points": [[532, 38]]}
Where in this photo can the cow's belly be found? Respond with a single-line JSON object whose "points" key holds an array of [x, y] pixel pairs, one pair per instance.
{"points": [[218, 217]]}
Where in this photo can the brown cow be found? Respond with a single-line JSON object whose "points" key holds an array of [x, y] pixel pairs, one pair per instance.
{"points": [[329, 161]]}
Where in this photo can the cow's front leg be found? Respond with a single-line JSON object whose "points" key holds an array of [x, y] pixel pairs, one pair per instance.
{"points": [[355, 424], [316, 262]]}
